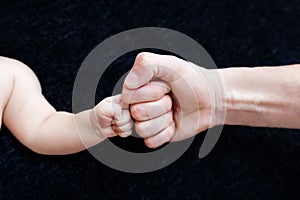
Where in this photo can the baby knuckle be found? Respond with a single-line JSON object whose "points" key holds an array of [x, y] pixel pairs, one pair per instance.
{"points": [[126, 127], [130, 125]]}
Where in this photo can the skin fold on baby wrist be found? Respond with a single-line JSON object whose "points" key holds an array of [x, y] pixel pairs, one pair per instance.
{"points": [[87, 128]]}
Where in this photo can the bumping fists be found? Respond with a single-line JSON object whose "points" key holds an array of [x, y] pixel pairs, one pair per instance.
{"points": [[168, 97]]}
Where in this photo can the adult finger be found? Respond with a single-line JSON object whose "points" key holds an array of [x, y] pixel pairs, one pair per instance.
{"points": [[150, 128], [150, 65], [159, 139], [177, 73], [150, 110], [151, 91]]}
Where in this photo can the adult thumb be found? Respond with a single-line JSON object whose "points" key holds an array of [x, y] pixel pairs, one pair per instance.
{"points": [[148, 66]]}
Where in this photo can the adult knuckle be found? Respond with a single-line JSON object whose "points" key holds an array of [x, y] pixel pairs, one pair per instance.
{"points": [[168, 101], [134, 111], [138, 112], [141, 58], [149, 142], [169, 133], [157, 94], [140, 129], [169, 118], [127, 95]]}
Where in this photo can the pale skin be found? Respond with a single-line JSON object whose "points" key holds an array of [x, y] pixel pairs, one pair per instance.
{"points": [[165, 110], [36, 124], [258, 96]]}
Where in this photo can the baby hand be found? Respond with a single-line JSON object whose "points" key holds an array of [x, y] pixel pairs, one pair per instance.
{"points": [[112, 119]]}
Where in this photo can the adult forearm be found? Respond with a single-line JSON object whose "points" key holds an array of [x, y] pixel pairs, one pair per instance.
{"points": [[262, 96]]}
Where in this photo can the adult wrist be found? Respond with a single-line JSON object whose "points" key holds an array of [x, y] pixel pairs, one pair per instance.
{"points": [[211, 96]]}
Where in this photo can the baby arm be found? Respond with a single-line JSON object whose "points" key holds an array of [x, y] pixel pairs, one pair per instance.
{"points": [[37, 125]]}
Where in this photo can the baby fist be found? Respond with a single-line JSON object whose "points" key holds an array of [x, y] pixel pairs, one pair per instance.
{"points": [[112, 119]]}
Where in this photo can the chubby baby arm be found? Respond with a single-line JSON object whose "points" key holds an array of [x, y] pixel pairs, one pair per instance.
{"points": [[40, 127]]}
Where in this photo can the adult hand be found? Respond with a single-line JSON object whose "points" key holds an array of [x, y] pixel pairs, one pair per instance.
{"points": [[160, 118]]}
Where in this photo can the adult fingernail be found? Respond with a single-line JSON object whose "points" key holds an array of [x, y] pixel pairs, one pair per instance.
{"points": [[132, 80]]}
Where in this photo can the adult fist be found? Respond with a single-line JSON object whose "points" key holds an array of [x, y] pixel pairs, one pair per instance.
{"points": [[191, 91]]}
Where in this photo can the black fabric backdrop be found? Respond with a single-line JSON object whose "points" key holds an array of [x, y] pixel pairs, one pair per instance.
{"points": [[53, 38]]}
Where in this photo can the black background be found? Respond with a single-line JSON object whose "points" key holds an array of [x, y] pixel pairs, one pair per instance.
{"points": [[53, 38]]}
